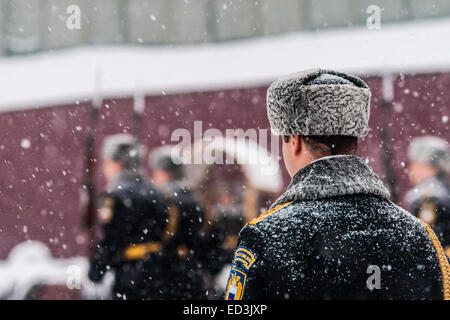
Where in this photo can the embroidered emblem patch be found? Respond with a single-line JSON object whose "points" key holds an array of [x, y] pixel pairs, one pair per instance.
{"points": [[236, 285], [244, 256], [105, 213], [243, 260]]}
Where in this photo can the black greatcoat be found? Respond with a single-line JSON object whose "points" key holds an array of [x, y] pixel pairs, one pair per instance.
{"points": [[335, 235], [133, 212], [181, 255]]}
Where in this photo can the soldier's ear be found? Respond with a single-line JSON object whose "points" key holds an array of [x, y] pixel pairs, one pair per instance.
{"points": [[298, 144]]}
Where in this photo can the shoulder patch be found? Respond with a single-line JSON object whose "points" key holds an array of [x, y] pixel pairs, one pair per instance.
{"points": [[245, 256], [236, 284], [106, 211], [270, 212], [242, 261]]}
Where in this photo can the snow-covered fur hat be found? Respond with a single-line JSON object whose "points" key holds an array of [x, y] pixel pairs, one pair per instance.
{"points": [[125, 149], [319, 102], [432, 151]]}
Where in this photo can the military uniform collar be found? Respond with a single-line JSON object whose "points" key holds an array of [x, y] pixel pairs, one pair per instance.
{"points": [[436, 187], [333, 176], [125, 179], [172, 188]]}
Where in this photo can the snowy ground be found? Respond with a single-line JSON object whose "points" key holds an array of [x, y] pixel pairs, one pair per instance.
{"points": [[30, 264]]}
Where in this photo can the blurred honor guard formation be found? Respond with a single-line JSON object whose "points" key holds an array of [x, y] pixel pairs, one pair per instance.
{"points": [[153, 236]]}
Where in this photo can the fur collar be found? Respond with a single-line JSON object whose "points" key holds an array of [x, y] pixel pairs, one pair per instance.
{"points": [[333, 176]]}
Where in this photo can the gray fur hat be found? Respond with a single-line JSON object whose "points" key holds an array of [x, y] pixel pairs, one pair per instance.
{"points": [[125, 149], [163, 158], [432, 151], [319, 102]]}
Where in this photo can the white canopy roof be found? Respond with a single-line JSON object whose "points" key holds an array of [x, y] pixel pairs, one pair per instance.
{"points": [[260, 167], [66, 76]]}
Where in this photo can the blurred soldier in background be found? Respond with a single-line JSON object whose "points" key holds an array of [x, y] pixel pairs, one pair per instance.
{"points": [[133, 215], [220, 241], [182, 265], [430, 197]]}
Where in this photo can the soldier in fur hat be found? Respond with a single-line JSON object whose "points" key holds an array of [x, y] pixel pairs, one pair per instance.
{"points": [[334, 233]]}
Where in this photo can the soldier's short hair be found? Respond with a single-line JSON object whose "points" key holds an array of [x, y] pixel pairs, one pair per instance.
{"points": [[322, 146], [124, 149]]}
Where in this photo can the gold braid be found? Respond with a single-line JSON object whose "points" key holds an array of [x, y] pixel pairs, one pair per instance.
{"points": [[443, 261]]}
